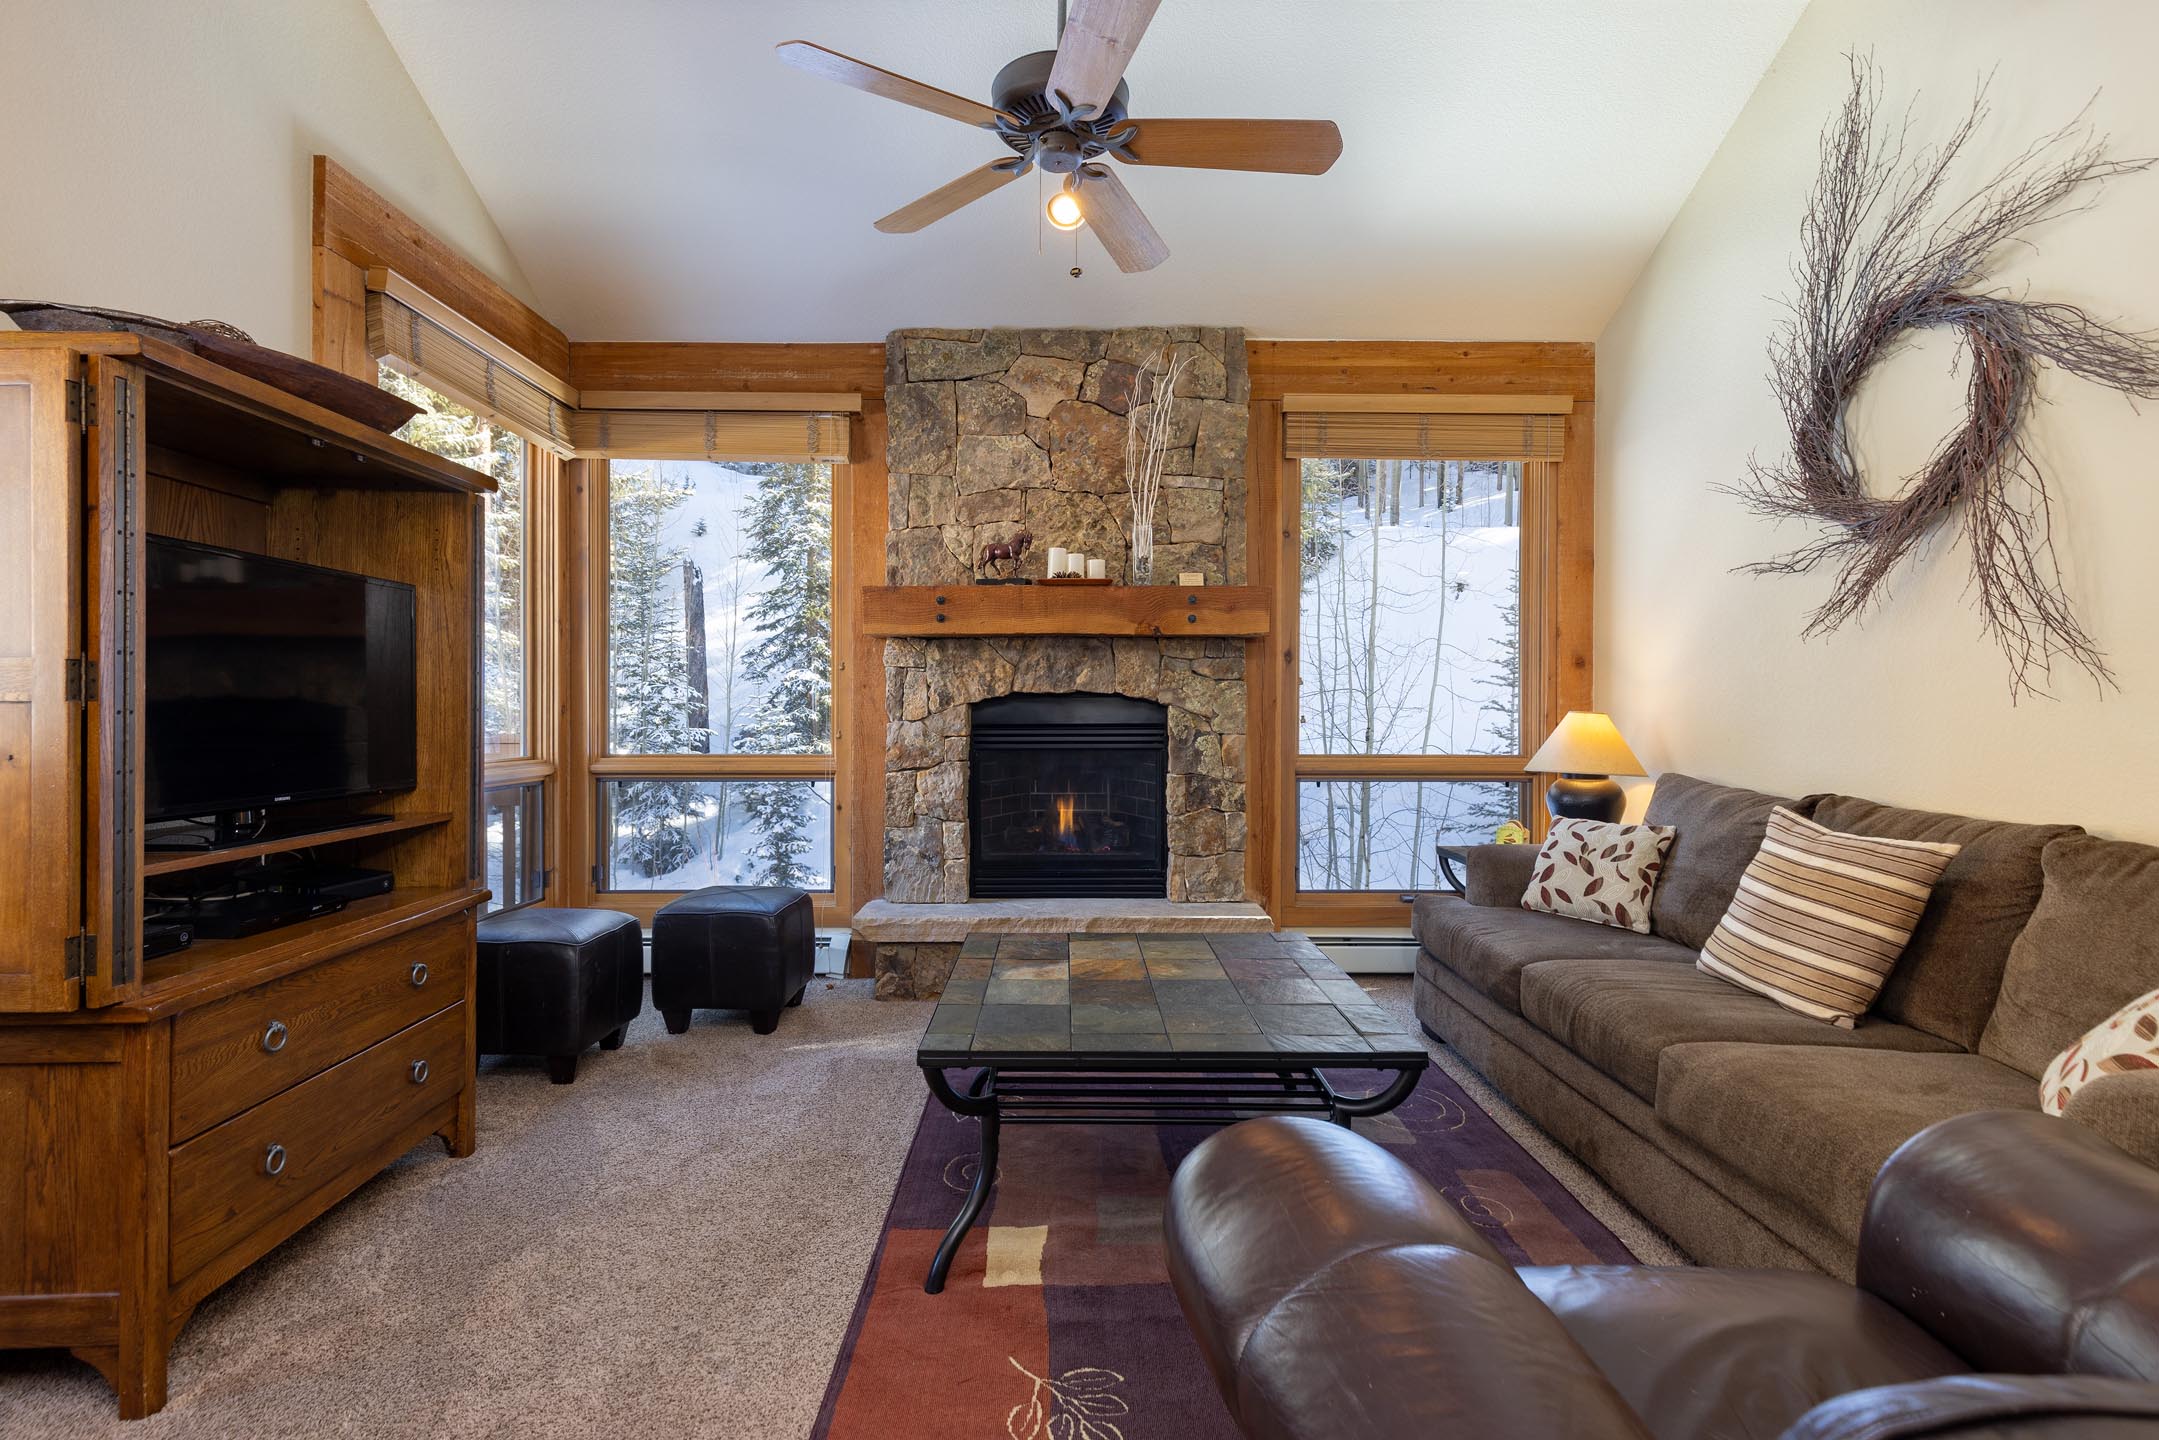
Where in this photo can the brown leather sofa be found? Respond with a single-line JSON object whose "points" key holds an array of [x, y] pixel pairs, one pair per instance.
{"points": [[1749, 1133], [2008, 1289]]}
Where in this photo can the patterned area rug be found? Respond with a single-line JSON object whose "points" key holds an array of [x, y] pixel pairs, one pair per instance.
{"points": [[1058, 1321]]}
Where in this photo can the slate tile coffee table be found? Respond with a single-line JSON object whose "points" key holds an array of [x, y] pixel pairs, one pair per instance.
{"points": [[1150, 1030]]}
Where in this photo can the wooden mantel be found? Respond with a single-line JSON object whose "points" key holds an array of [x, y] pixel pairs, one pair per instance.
{"points": [[1163, 611]]}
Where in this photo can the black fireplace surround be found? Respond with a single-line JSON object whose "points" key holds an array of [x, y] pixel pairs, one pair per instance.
{"points": [[1065, 797]]}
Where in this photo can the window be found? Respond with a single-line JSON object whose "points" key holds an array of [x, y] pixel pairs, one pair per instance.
{"points": [[719, 703], [1380, 834], [516, 849], [675, 834], [452, 431], [1410, 673], [719, 608]]}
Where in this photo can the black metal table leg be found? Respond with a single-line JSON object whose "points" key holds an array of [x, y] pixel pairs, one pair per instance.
{"points": [[1343, 1108], [981, 1102]]}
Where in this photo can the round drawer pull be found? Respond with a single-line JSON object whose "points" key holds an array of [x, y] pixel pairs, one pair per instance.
{"points": [[419, 1072], [274, 1036], [273, 1160], [419, 973]]}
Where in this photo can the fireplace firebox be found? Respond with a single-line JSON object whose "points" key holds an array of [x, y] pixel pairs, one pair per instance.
{"points": [[1065, 797]]}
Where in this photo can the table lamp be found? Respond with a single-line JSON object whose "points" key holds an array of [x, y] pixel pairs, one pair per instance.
{"points": [[1587, 752]]}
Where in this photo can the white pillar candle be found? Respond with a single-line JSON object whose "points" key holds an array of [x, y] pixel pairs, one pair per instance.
{"points": [[1075, 563], [1098, 569], [1057, 560]]}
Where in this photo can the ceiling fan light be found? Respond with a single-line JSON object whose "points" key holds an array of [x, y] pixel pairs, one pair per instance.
{"points": [[1065, 212]]}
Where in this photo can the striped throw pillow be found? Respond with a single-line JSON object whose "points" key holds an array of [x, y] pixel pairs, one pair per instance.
{"points": [[1821, 917]]}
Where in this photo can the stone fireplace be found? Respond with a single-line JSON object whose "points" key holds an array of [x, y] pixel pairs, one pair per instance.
{"points": [[993, 431]]}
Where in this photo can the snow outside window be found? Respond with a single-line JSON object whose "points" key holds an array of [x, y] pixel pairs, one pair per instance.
{"points": [[1411, 646]]}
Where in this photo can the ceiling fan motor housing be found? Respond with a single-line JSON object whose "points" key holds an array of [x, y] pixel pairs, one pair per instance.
{"points": [[1042, 129]]}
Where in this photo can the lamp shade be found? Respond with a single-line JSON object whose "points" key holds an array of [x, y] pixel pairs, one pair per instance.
{"points": [[1585, 743]]}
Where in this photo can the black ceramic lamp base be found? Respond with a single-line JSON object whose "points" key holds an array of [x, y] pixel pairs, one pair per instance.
{"points": [[1586, 797]]}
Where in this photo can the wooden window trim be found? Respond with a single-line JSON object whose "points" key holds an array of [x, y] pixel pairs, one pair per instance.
{"points": [[355, 230], [590, 763], [1556, 561]]}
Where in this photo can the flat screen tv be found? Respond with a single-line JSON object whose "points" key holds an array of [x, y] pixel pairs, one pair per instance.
{"points": [[268, 682]]}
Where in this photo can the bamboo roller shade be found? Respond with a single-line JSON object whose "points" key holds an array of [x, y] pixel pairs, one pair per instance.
{"points": [[1422, 428], [708, 435], [438, 348], [500, 386]]}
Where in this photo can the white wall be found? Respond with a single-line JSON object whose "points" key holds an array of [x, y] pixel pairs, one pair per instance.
{"points": [[155, 154], [1704, 668]]}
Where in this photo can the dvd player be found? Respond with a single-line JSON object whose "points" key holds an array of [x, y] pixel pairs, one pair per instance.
{"points": [[230, 919]]}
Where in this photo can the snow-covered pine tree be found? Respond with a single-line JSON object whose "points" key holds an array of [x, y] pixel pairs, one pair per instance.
{"points": [[789, 530], [650, 697]]}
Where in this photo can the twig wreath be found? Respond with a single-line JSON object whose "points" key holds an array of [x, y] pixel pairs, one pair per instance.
{"points": [[1875, 266]]}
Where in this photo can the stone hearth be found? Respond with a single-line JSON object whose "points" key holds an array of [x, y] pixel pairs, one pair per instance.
{"points": [[913, 946]]}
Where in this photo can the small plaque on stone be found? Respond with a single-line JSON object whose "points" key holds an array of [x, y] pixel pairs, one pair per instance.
{"points": [[1190, 579]]}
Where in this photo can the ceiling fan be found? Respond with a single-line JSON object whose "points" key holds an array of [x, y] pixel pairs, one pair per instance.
{"points": [[1064, 110]]}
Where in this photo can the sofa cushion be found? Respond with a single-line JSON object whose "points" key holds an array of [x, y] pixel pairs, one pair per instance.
{"points": [[1620, 1016], [2091, 947], [1952, 969], [1489, 947], [1811, 1124], [1703, 1354], [1717, 830], [2123, 1109]]}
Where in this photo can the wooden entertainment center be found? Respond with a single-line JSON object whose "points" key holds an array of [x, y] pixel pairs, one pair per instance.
{"points": [[163, 1125]]}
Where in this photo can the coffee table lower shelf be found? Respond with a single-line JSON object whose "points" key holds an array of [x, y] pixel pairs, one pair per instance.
{"points": [[1151, 1089]]}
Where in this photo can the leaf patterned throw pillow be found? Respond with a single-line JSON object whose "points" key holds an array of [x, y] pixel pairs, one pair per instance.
{"points": [[2124, 1041], [1595, 870]]}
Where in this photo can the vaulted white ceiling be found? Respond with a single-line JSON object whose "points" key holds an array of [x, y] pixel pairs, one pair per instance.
{"points": [[1507, 165]]}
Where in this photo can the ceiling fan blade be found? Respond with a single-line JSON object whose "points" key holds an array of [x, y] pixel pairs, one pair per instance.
{"points": [[947, 198], [1098, 41], [861, 75], [1286, 147], [1117, 222]]}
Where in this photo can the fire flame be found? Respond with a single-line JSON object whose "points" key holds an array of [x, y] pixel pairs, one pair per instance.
{"points": [[1065, 806]]}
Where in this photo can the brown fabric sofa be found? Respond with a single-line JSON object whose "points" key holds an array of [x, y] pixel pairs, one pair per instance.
{"points": [[2007, 1290], [1749, 1134]]}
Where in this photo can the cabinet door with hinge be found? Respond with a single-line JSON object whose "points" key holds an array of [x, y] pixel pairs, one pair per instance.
{"points": [[42, 518], [112, 709]]}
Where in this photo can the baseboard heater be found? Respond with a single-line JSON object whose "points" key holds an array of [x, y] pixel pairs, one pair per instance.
{"points": [[1383, 954]]}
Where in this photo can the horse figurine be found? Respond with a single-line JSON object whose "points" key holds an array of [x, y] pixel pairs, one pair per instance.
{"points": [[1006, 552]]}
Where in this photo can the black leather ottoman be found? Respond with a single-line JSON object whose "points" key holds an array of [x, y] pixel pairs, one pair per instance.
{"points": [[732, 947], [554, 981]]}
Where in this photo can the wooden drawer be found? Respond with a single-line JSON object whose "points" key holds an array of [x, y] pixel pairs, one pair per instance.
{"points": [[241, 1051], [223, 1187]]}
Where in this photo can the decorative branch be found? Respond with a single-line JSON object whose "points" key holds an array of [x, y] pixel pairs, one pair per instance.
{"points": [[1146, 449], [1876, 263]]}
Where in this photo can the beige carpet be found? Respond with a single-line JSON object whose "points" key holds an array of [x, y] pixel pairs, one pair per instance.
{"points": [[671, 1247]]}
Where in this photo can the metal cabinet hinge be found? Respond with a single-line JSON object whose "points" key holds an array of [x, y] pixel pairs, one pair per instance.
{"points": [[81, 404], [81, 956], [81, 679]]}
